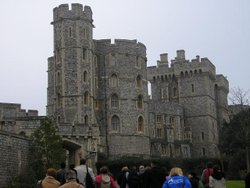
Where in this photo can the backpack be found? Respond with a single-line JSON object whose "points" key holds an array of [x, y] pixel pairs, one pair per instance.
{"points": [[88, 180], [106, 181]]}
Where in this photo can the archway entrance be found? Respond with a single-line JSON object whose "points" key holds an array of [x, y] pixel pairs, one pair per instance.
{"points": [[73, 151]]}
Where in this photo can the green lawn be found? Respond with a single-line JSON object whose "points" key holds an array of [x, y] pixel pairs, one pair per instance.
{"points": [[235, 184]]}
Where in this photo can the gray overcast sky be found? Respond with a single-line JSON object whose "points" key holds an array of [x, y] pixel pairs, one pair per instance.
{"points": [[216, 29]]}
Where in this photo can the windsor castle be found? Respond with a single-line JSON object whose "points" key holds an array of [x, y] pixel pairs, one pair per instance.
{"points": [[98, 95]]}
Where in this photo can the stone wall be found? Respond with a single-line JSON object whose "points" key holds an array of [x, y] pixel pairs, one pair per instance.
{"points": [[14, 153]]}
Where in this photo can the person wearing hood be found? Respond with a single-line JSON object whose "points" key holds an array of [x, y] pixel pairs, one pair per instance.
{"points": [[217, 178]]}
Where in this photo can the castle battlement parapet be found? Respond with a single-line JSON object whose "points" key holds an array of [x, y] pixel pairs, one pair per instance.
{"points": [[121, 46], [76, 12], [180, 66]]}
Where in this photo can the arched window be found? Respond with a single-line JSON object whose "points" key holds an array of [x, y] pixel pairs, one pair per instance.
{"points": [[85, 76], [114, 101], [70, 31], [86, 98], [115, 123], [139, 101], [113, 81], [140, 124], [192, 88], [138, 81], [86, 119]]}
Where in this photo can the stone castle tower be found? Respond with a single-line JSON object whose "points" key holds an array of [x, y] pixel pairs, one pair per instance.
{"points": [[97, 91], [98, 96], [200, 92]]}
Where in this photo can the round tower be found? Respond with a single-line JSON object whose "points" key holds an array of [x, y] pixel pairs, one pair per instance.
{"points": [[124, 96]]}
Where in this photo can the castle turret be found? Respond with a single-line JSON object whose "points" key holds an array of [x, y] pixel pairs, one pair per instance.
{"points": [[71, 79]]}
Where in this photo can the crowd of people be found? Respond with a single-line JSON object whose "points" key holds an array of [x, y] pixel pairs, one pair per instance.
{"points": [[152, 176]]}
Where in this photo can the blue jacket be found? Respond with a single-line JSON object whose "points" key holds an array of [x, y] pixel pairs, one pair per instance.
{"points": [[177, 182]]}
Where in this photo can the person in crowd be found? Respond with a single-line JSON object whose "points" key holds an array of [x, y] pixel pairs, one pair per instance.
{"points": [[82, 172], [176, 179], [247, 180], [217, 178], [71, 182], [123, 177], [60, 174], [141, 174], [206, 173], [133, 178], [154, 177], [194, 180], [72, 167], [50, 180], [104, 179]]}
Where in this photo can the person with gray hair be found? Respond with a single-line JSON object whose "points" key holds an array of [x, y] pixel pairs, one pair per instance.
{"points": [[70, 177]]}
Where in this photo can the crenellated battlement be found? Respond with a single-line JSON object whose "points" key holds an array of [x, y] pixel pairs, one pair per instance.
{"points": [[122, 46], [180, 66], [76, 12]]}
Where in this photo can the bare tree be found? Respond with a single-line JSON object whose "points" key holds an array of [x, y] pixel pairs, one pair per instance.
{"points": [[239, 96]]}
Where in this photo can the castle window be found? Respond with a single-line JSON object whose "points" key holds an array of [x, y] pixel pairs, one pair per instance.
{"points": [[58, 78], [138, 81], [70, 31], [114, 101], [84, 53], [96, 82], [84, 33], [158, 119], [97, 104], [159, 132], [86, 98], [182, 74], [192, 88], [191, 73], [113, 81], [115, 123], [140, 124], [172, 121], [163, 150], [203, 151], [85, 76], [139, 101], [202, 136], [86, 119], [164, 93]]}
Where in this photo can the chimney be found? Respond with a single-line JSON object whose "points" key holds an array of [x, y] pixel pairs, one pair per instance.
{"points": [[180, 55]]}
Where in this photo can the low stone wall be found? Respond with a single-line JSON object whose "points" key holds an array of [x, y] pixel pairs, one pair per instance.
{"points": [[14, 156]]}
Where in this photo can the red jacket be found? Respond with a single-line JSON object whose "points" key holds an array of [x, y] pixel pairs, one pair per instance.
{"points": [[98, 180]]}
